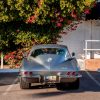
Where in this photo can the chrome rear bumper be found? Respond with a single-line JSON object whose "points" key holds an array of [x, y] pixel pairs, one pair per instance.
{"points": [[50, 79]]}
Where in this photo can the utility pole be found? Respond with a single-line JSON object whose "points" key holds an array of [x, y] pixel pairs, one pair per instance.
{"points": [[1, 60], [1, 54]]}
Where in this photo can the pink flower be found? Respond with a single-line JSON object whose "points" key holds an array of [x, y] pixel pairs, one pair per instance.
{"points": [[69, 22], [87, 11], [73, 14], [31, 19], [13, 52], [60, 19], [17, 65], [59, 25], [6, 57], [12, 56]]}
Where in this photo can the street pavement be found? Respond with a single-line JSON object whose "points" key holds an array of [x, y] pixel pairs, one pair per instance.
{"points": [[89, 89]]}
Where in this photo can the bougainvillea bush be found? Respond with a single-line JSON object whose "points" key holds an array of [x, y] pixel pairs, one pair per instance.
{"points": [[24, 23], [14, 59]]}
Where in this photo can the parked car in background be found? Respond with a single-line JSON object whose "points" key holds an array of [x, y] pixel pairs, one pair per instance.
{"points": [[50, 64]]}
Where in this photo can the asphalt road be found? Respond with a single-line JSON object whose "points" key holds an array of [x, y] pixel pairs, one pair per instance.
{"points": [[89, 89]]}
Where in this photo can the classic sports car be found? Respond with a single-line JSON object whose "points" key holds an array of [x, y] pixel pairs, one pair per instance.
{"points": [[50, 64]]}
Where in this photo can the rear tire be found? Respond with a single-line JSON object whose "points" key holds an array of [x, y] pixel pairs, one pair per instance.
{"points": [[60, 86], [68, 86], [24, 85], [75, 85]]}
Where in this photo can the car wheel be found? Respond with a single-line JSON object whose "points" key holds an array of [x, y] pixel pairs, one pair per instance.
{"points": [[24, 85], [62, 86], [68, 86], [75, 85]]}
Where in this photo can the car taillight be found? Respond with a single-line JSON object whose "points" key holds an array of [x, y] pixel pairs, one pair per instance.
{"points": [[25, 73], [30, 73], [73, 73], [68, 73]]}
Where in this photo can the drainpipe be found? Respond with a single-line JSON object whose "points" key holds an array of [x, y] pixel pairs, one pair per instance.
{"points": [[91, 37]]}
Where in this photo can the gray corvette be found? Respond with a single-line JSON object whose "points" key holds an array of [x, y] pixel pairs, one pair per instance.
{"points": [[50, 64]]}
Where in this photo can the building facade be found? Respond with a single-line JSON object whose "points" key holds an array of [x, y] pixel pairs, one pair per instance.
{"points": [[75, 40]]}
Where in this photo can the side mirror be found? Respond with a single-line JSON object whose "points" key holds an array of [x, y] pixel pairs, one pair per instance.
{"points": [[73, 54]]}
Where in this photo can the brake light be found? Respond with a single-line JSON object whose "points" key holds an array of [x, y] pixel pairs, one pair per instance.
{"points": [[73, 73], [68, 73], [30, 73], [25, 73]]}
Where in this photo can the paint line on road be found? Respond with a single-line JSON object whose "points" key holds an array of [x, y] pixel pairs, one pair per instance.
{"points": [[10, 87], [97, 82]]}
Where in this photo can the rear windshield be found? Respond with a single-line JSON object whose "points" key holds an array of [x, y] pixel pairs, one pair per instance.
{"points": [[57, 51]]}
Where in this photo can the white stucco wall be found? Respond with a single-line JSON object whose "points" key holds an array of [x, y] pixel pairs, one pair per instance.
{"points": [[75, 40]]}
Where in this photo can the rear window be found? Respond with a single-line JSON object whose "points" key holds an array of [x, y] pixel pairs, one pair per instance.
{"points": [[42, 51]]}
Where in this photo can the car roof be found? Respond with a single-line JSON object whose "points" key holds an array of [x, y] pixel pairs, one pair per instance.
{"points": [[49, 46]]}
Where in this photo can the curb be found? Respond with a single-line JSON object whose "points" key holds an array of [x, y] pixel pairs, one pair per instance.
{"points": [[9, 70], [98, 70]]}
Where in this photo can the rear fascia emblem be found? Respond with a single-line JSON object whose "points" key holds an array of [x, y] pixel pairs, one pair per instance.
{"points": [[49, 59]]}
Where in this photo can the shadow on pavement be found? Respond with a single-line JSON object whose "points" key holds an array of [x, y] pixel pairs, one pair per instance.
{"points": [[8, 78], [86, 84]]}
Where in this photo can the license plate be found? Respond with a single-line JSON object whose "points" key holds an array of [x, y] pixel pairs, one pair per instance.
{"points": [[51, 77]]}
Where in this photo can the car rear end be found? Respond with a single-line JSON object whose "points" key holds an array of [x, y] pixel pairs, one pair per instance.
{"points": [[50, 76], [54, 75], [50, 69]]}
